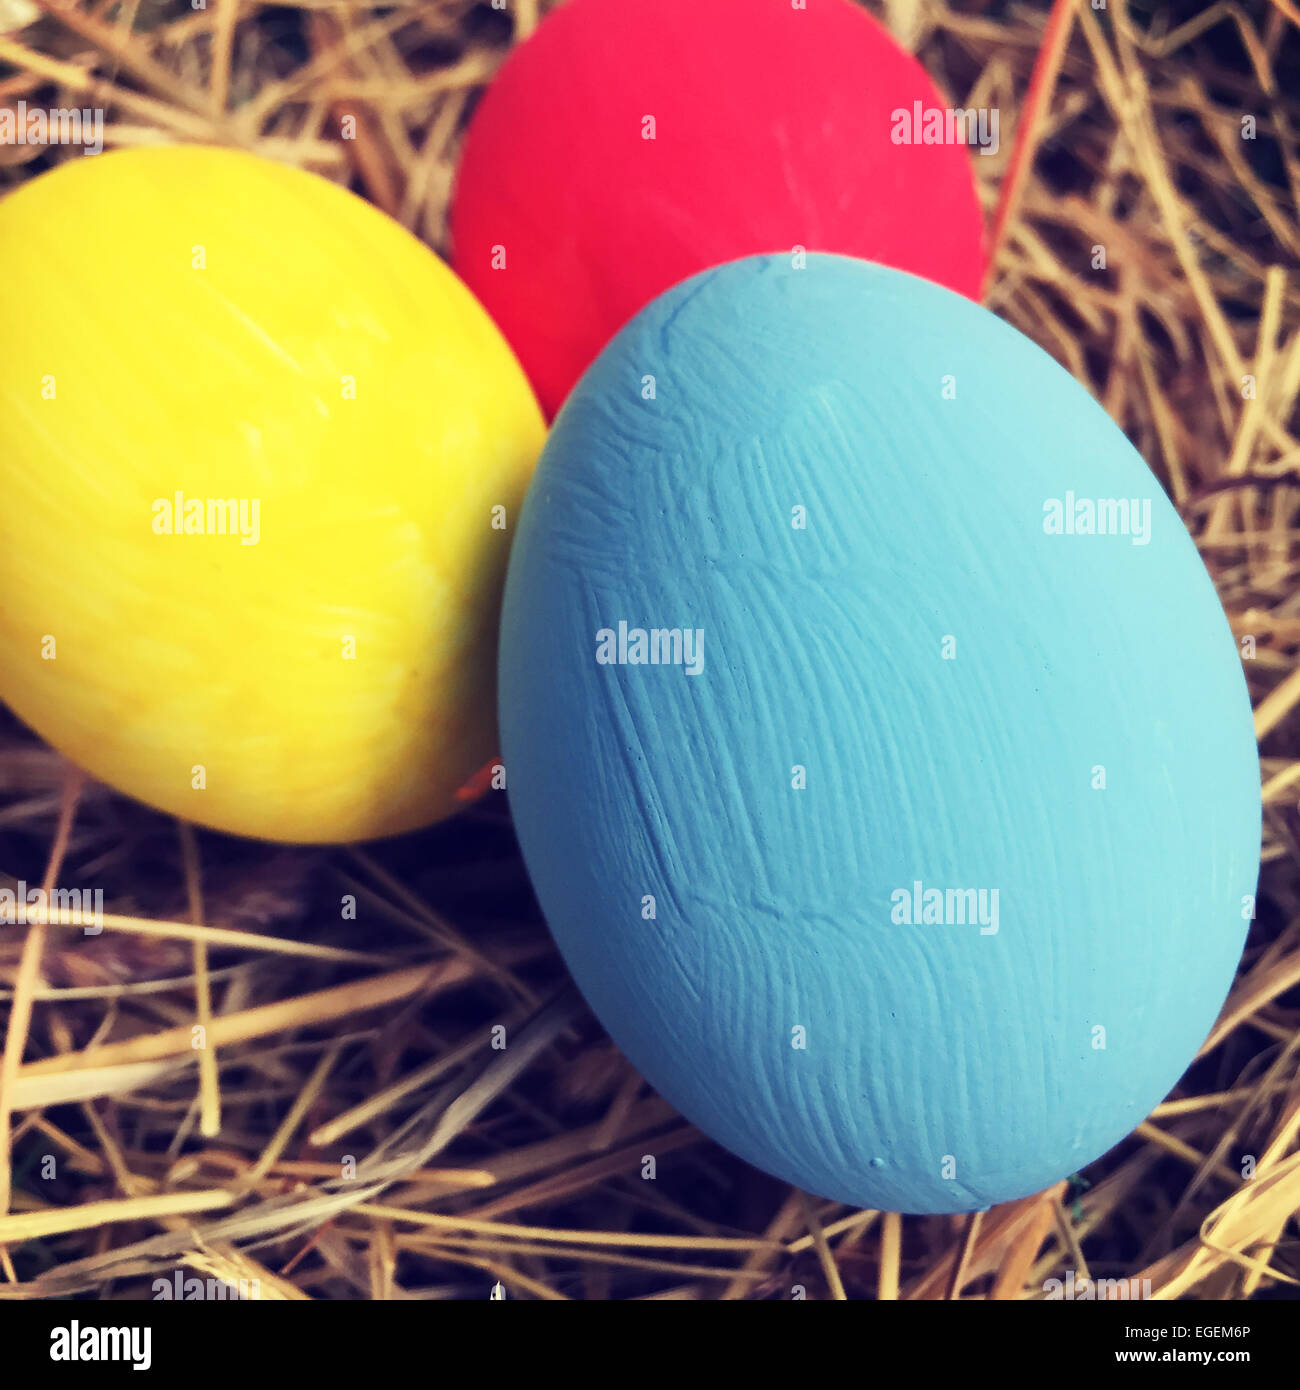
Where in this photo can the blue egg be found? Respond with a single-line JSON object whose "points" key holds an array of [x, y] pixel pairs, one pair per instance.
{"points": [[877, 745]]}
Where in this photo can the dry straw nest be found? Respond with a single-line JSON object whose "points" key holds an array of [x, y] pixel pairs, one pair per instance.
{"points": [[349, 1132]]}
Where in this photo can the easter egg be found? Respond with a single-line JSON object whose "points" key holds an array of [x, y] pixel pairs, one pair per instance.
{"points": [[877, 746], [625, 146], [260, 454]]}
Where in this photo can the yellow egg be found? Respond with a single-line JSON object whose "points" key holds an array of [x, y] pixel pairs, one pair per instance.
{"points": [[261, 454]]}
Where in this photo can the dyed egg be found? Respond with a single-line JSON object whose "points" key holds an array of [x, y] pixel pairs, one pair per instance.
{"points": [[260, 454], [876, 742], [626, 146]]}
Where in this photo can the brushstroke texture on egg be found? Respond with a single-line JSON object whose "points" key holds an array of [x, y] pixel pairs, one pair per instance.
{"points": [[188, 327], [914, 674], [628, 145]]}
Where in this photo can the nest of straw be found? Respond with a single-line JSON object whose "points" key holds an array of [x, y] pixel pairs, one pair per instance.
{"points": [[346, 1133]]}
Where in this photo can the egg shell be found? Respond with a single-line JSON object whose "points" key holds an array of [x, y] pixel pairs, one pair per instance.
{"points": [[928, 686], [773, 128], [191, 325]]}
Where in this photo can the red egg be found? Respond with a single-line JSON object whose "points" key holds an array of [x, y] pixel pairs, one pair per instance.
{"points": [[628, 145]]}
